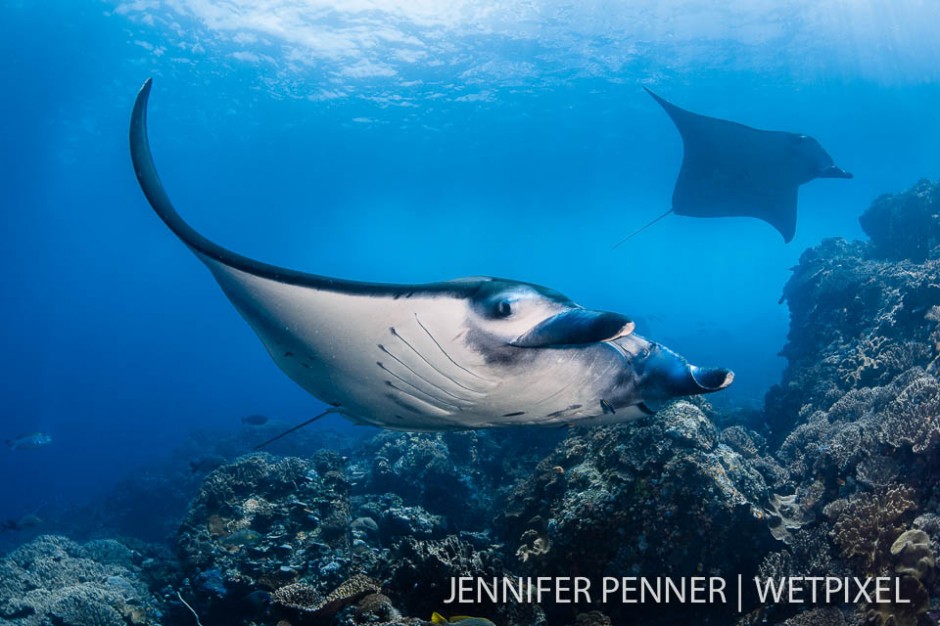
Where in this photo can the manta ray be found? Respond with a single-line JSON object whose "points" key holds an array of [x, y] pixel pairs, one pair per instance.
{"points": [[730, 169], [459, 354]]}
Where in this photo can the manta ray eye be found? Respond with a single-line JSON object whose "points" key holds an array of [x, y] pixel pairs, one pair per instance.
{"points": [[503, 308]]}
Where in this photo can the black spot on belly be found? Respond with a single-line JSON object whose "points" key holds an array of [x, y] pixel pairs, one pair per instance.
{"points": [[562, 412], [516, 414]]}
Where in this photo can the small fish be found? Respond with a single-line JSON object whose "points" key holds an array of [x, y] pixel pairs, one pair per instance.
{"points": [[242, 537], [463, 620], [255, 420], [29, 442], [24, 523]]}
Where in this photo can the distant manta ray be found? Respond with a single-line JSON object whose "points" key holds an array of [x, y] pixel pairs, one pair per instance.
{"points": [[467, 353], [731, 170]]}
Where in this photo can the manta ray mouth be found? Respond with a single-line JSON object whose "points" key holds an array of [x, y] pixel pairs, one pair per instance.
{"points": [[711, 378]]}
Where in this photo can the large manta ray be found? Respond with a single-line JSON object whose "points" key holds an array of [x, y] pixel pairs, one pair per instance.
{"points": [[730, 169], [466, 353]]}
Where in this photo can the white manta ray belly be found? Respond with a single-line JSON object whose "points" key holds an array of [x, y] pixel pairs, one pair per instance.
{"points": [[401, 363]]}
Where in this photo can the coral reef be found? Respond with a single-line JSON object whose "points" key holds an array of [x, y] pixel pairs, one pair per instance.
{"points": [[264, 523], [867, 525], [53, 580], [305, 599], [862, 313], [316, 539], [592, 618], [828, 616], [856, 322], [857, 416], [659, 497], [127, 510], [905, 225], [450, 474]]}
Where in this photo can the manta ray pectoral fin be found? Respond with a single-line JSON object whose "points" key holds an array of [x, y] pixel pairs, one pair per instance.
{"points": [[574, 327], [216, 256], [780, 212], [680, 117]]}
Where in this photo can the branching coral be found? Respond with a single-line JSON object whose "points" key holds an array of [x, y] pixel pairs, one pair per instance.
{"points": [[306, 599], [870, 532], [299, 596], [914, 417], [867, 525], [913, 565]]}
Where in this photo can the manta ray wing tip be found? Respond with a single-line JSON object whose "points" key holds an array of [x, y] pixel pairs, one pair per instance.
{"points": [[654, 95]]}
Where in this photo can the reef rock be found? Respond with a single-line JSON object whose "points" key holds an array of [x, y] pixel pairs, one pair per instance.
{"points": [[905, 225], [452, 475], [53, 580], [857, 416], [660, 497], [861, 313], [855, 322], [263, 524], [272, 539]]}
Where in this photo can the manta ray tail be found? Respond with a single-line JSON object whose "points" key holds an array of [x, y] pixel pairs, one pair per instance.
{"points": [[641, 229], [296, 428]]}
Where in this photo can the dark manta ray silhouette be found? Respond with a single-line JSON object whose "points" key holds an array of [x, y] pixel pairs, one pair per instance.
{"points": [[731, 170]]}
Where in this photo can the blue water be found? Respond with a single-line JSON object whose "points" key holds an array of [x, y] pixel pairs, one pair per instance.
{"points": [[402, 142]]}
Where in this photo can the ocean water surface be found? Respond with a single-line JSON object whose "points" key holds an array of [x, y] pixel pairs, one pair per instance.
{"points": [[403, 142]]}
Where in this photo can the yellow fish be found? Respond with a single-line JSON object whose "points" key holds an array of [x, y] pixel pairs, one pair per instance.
{"points": [[462, 620]]}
